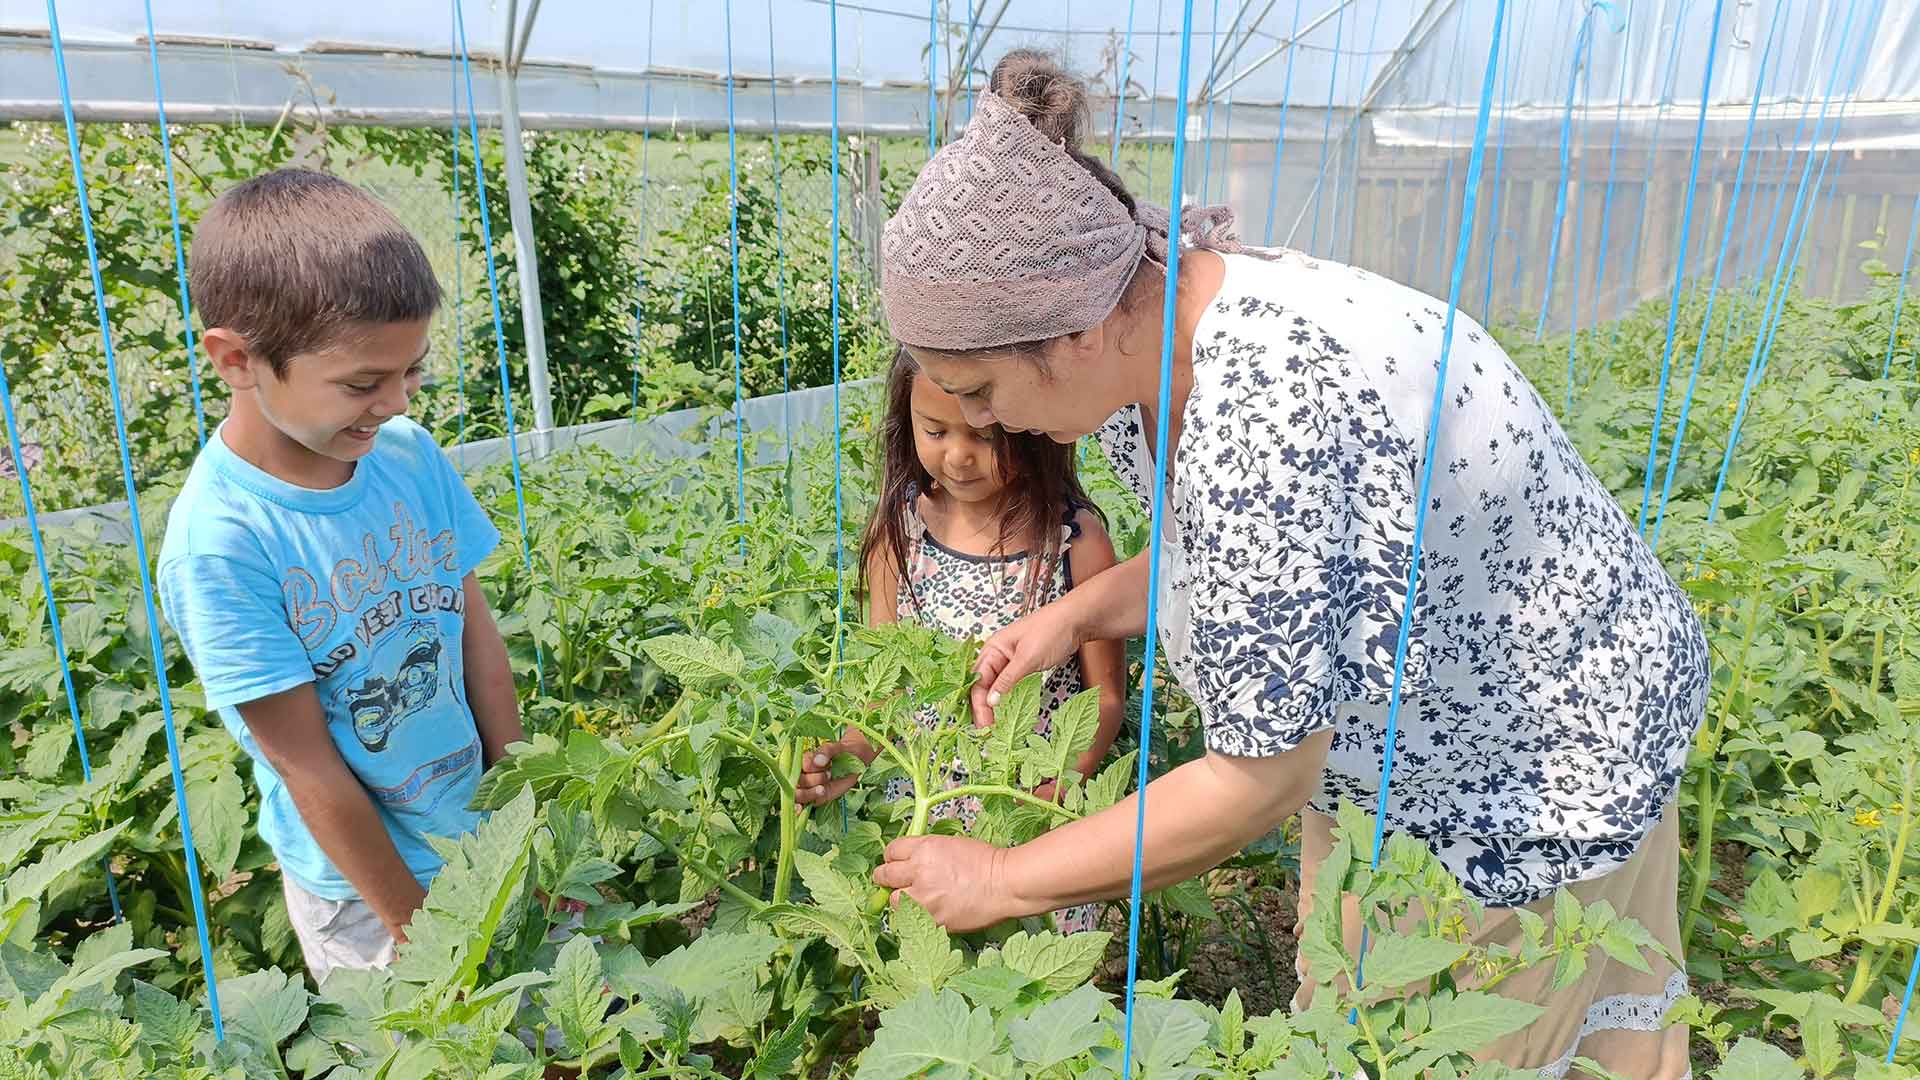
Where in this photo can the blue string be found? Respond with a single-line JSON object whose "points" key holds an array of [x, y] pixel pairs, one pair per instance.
{"points": [[1446, 187], [1653, 145], [1476, 161], [154, 641], [459, 343], [1773, 218], [1906, 1004], [1516, 44], [733, 254], [53, 608], [179, 249], [1613, 160], [1719, 261], [1280, 140], [1351, 169], [966, 56], [839, 505], [1157, 520], [1579, 231], [1206, 137], [1582, 58], [780, 249], [1680, 267], [646, 232], [499, 326], [1789, 255], [1326, 130], [1900, 298], [933, 74], [1153, 94], [1120, 91]]}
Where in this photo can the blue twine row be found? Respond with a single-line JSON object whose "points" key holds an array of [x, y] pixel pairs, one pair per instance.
{"points": [[1579, 233], [1582, 60], [1326, 130], [1900, 298], [733, 256], [646, 231], [833, 260], [1120, 91], [1206, 136], [179, 248], [1653, 145], [1517, 44], [1680, 268], [499, 325], [1613, 160], [1789, 255], [459, 342], [1713, 287], [1280, 140], [780, 250], [155, 641], [1476, 162], [1156, 520]]}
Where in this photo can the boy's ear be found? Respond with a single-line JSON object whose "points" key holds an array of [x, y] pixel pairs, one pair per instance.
{"points": [[231, 358]]}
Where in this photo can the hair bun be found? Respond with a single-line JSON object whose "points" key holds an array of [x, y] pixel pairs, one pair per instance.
{"points": [[1051, 99]]}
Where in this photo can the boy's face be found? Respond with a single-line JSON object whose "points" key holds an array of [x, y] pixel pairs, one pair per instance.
{"points": [[332, 401]]}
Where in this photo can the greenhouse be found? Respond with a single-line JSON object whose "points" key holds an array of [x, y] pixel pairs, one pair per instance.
{"points": [[1239, 538]]}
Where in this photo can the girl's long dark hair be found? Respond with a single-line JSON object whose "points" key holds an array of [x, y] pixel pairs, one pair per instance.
{"points": [[1041, 484]]}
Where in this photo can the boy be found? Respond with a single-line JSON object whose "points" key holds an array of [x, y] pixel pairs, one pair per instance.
{"points": [[318, 563]]}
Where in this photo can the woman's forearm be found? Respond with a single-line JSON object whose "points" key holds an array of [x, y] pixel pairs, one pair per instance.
{"points": [[1111, 605], [1197, 815]]}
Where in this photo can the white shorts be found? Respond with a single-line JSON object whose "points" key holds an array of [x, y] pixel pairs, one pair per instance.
{"points": [[336, 933]]}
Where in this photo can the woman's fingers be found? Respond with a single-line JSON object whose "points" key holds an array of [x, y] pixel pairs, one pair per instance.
{"points": [[817, 784]]}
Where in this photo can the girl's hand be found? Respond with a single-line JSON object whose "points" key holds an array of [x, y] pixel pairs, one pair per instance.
{"points": [[818, 786], [1044, 639]]}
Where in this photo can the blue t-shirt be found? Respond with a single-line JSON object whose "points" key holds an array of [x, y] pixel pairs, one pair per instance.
{"points": [[357, 590]]}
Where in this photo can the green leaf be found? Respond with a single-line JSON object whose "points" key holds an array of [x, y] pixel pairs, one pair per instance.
{"points": [[1071, 735], [935, 1036], [927, 956], [1751, 1059], [713, 961], [1768, 906], [217, 806], [1233, 1025], [1166, 1032], [1190, 899], [778, 1056], [168, 1026], [1393, 961], [264, 1008], [1110, 786], [1060, 1029], [47, 751], [1061, 962], [836, 893], [483, 873], [1817, 892], [39, 879], [694, 660], [576, 998], [997, 987], [1469, 1020]]}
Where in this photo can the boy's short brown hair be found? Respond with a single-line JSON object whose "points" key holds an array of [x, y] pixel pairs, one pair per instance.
{"points": [[295, 260]]}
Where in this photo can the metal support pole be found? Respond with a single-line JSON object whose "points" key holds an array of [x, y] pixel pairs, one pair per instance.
{"points": [[520, 212]]}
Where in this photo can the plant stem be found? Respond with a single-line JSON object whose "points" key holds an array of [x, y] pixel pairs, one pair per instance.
{"points": [[789, 824], [1706, 809], [982, 790], [719, 880], [1373, 1043], [1867, 965]]}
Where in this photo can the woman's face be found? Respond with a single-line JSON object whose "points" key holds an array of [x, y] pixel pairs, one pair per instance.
{"points": [[1066, 401]]}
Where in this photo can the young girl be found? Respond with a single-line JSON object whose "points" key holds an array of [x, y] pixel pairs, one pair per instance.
{"points": [[976, 527]]}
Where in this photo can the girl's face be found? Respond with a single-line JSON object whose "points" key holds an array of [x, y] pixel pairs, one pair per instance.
{"points": [[1071, 400], [959, 456]]}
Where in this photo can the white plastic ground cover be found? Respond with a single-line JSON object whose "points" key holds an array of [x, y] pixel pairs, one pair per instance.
{"points": [[686, 433]]}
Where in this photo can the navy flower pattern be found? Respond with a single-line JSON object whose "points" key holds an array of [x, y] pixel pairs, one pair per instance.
{"points": [[1555, 674]]}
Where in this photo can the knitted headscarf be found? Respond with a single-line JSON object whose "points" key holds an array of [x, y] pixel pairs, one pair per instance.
{"points": [[1005, 238]]}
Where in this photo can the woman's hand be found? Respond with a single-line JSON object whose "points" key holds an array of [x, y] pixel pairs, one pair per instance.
{"points": [[1044, 639], [956, 878], [818, 786]]}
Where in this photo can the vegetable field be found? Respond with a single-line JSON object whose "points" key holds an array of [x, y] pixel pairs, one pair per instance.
{"points": [[645, 900]]}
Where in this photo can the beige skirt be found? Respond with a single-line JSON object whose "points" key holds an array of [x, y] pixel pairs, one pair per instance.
{"points": [[1613, 1014]]}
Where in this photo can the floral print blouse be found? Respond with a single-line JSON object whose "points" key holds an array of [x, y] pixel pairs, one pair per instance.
{"points": [[1555, 675]]}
